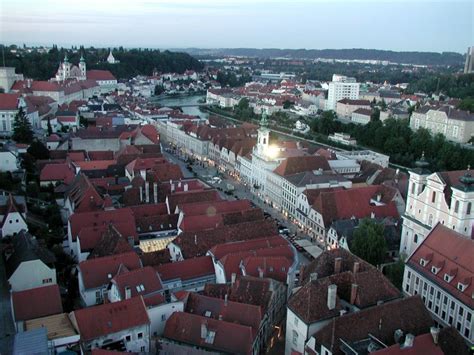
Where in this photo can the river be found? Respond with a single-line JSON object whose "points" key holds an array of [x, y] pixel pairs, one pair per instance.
{"points": [[173, 101]]}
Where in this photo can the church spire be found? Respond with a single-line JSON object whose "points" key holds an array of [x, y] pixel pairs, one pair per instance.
{"points": [[264, 120]]}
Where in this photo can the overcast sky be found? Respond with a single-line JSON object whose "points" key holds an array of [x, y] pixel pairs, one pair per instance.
{"points": [[415, 25]]}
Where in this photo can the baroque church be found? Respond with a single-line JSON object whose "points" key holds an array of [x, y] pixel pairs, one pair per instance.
{"points": [[68, 71]]}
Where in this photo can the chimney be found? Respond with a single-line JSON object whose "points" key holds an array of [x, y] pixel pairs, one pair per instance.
{"points": [[435, 334], [172, 186], [372, 215], [128, 293], [356, 268], [232, 278], [203, 330], [260, 273], [155, 192], [220, 317], [185, 187], [354, 289], [147, 192], [409, 339], [313, 276], [225, 299], [195, 239], [179, 183], [332, 291], [141, 193], [337, 265]]}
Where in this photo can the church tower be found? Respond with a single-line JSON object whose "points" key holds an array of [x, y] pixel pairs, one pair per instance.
{"points": [[263, 135], [82, 67], [66, 68]]}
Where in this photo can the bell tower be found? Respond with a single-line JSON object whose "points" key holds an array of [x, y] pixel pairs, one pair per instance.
{"points": [[82, 67], [263, 135]]}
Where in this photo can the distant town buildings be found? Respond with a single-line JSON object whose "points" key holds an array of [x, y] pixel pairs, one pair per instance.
{"points": [[341, 87]]}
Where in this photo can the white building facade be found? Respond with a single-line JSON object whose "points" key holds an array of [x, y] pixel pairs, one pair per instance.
{"points": [[341, 87]]}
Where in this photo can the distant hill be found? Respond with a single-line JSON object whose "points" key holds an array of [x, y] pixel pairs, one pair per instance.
{"points": [[421, 58]]}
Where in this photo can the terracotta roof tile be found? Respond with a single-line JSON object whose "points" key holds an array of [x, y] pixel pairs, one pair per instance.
{"points": [[36, 302]]}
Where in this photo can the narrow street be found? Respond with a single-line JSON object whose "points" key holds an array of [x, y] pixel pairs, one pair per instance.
{"points": [[239, 191]]}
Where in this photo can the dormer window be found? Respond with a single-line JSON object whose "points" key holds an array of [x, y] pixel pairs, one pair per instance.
{"points": [[461, 287], [435, 269], [423, 262], [448, 278]]}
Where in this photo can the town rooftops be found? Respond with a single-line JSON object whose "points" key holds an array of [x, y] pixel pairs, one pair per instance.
{"points": [[191, 197], [100, 75], [187, 269], [228, 311], [333, 205], [9, 102], [221, 250], [209, 333], [58, 326], [299, 164], [447, 255], [57, 172], [407, 314], [114, 239], [450, 112], [362, 289], [141, 281], [99, 271], [363, 111], [210, 208], [98, 321], [194, 244], [36, 302]]}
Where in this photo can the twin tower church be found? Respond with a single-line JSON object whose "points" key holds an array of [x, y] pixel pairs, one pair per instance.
{"points": [[67, 70]]}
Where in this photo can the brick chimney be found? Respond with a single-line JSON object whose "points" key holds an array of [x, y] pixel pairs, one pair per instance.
{"points": [[203, 330], [337, 265], [354, 288], [356, 268], [128, 293], [332, 292], [233, 277]]}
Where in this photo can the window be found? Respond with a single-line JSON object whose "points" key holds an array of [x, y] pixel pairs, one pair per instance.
{"points": [[128, 338], [433, 197], [413, 188], [430, 220], [469, 205], [296, 321], [163, 317], [140, 335], [415, 238], [295, 337], [456, 207]]}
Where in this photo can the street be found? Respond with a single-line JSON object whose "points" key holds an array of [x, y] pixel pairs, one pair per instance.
{"points": [[205, 173]]}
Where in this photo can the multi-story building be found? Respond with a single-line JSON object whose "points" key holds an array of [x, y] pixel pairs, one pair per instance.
{"points": [[456, 125], [345, 107], [361, 115], [8, 78], [341, 87], [441, 271], [443, 197]]}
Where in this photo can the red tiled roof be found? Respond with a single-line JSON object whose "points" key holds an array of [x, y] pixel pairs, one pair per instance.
{"points": [[274, 267], [295, 165], [150, 132], [230, 311], [78, 221], [222, 250], [57, 172], [149, 210], [9, 102], [191, 197], [211, 208], [98, 321], [101, 155], [94, 164], [37, 302], [333, 204], [96, 272], [422, 344], [229, 337], [147, 277], [453, 254], [100, 75], [354, 102], [187, 269]]}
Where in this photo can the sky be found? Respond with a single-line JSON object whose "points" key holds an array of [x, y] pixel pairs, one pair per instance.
{"points": [[412, 25]]}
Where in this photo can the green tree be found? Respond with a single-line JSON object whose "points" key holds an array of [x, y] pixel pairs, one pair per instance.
{"points": [[375, 116], [287, 104], [369, 242], [467, 104], [394, 273], [22, 132], [38, 150]]}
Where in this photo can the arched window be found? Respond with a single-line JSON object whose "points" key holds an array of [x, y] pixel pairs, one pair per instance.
{"points": [[456, 207], [264, 141], [430, 220], [413, 188], [433, 197], [415, 238], [469, 205]]}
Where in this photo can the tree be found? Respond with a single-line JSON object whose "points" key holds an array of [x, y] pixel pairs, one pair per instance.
{"points": [[369, 242], [38, 150], [22, 132], [467, 104], [375, 116], [394, 273], [287, 104]]}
